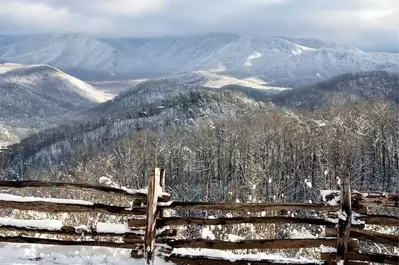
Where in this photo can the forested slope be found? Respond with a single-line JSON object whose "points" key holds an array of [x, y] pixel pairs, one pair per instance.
{"points": [[343, 89], [273, 155]]}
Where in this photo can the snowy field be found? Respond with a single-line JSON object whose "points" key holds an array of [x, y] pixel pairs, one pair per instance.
{"points": [[18, 254]]}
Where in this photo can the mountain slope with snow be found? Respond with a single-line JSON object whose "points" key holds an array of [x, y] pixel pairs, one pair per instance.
{"points": [[195, 78], [42, 90], [35, 97], [282, 61], [218, 80], [376, 85], [151, 105], [65, 51]]}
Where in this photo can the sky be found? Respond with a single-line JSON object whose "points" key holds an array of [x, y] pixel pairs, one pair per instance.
{"points": [[369, 24]]}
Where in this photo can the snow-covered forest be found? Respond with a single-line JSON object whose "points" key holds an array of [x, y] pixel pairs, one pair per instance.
{"points": [[274, 155]]}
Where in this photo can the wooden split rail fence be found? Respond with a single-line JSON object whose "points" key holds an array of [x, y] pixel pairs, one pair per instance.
{"points": [[344, 227]]}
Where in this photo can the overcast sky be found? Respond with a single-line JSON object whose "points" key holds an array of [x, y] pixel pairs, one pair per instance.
{"points": [[369, 24]]}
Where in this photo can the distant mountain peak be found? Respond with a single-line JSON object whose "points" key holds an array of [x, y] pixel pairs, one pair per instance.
{"points": [[289, 61]]}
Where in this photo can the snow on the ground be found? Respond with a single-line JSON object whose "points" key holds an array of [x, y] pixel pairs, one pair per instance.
{"points": [[226, 255], [23, 254]]}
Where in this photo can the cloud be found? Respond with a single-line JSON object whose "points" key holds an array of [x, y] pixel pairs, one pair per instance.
{"points": [[109, 8], [357, 22], [35, 16]]}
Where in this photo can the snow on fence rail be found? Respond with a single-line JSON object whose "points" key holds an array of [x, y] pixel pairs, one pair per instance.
{"points": [[8, 201], [120, 191], [344, 226], [359, 200], [56, 227]]}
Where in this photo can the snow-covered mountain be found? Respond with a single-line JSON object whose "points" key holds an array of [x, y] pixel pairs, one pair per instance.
{"points": [[218, 80], [116, 87], [42, 90], [154, 105], [195, 78], [64, 51], [281, 61], [342, 89], [36, 96]]}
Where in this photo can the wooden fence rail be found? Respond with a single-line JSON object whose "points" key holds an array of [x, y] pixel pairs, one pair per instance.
{"points": [[247, 207], [166, 221], [44, 241], [346, 218], [125, 192], [368, 257], [55, 207], [161, 222], [371, 199]]}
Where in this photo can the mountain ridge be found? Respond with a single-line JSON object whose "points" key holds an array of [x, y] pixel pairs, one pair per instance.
{"points": [[274, 59], [341, 89], [34, 97], [110, 121]]}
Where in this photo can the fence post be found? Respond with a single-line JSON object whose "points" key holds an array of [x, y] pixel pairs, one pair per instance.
{"points": [[344, 220], [152, 200], [162, 183]]}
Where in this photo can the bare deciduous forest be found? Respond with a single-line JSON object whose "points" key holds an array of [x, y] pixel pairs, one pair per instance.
{"points": [[269, 156]]}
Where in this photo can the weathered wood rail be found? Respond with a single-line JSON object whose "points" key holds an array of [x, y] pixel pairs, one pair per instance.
{"points": [[129, 193], [345, 223]]}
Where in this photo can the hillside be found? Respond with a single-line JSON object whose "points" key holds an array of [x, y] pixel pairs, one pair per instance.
{"points": [[150, 105], [204, 79], [279, 61], [116, 87], [160, 103], [219, 80], [34, 96], [342, 89], [42, 90]]}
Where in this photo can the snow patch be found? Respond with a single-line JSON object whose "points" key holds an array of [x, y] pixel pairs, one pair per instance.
{"points": [[329, 197], [226, 255], [113, 228], [252, 57], [328, 249], [52, 225], [15, 198], [308, 183], [21, 254]]}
